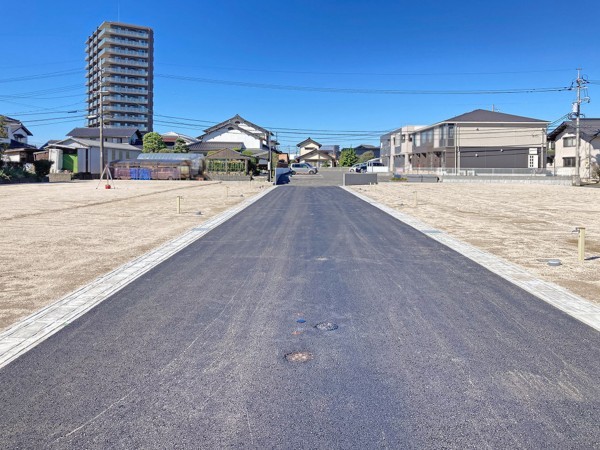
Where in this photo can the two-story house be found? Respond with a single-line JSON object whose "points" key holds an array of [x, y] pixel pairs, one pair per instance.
{"points": [[481, 139], [397, 148], [314, 153], [236, 133], [17, 149], [562, 142]]}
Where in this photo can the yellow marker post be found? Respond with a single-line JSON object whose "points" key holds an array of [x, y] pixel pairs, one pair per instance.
{"points": [[179, 197], [581, 244]]}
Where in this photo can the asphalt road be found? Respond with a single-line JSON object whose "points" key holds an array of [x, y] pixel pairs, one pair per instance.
{"points": [[431, 350]]}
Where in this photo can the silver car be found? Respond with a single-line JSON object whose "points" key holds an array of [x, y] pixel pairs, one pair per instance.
{"points": [[305, 168]]}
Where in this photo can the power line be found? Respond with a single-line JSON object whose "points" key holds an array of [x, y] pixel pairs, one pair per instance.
{"points": [[60, 73], [363, 90]]}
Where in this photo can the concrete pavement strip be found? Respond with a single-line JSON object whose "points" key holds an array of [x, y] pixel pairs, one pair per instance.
{"points": [[32, 330], [559, 297]]}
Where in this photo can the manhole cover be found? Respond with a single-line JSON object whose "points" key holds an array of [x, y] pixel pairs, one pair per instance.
{"points": [[326, 326], [299, 356]]}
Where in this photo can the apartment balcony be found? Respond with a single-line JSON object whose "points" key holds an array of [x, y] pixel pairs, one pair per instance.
{"points": [[126, 62], [120, 70], [128, 118], [124, 80], [125, 99], [110, 41], [126, 109], [126, 90], [123, 32], [124, 52]]}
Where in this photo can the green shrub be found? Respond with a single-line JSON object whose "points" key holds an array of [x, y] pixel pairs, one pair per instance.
{"points": [[42, 167]]}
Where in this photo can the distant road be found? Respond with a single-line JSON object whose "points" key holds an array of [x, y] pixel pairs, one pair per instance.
{"points": [[430, 350]]}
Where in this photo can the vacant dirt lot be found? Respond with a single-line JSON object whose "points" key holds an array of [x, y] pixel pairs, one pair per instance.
{"points": [[524, 224], [57, 237]]}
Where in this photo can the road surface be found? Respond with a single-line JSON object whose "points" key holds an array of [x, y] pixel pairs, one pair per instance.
{"points": [[430, 351]]}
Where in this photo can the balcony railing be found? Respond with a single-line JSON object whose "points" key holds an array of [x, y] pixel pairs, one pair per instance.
{"points": [[122, 31], [123, 51], [124, 42], [126, 62], [127, 90], [138, 72], [123, 80], [125, 99], [130, 109]]}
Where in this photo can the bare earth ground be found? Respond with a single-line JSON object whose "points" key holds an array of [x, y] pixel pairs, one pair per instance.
{"points": [[523, 224], [57, 237]]}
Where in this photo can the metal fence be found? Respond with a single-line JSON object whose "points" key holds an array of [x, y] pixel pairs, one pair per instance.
{"points": [[504, 172]]}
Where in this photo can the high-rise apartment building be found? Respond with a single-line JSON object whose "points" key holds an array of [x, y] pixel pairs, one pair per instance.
{"points": [[120, 70]]}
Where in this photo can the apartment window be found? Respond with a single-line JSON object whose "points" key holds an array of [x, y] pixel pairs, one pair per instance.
{"points": [[403, 139], [569, 162], [426, 137], [568, 142]]}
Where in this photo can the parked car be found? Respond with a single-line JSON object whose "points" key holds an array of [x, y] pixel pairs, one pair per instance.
{"points": [[358, 168], [304, 168]]}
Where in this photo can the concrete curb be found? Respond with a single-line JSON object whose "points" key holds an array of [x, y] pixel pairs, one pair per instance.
{"points": [[32, 330], [557, 296]]}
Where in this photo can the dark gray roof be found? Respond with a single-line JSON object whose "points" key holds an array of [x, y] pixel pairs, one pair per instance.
{"points": [[227, 153], [109, 132], [17, 144], [214, 145], [232, 121], [312, 153], [308, 141], [483, 115], [15, 122], [588, 129]]}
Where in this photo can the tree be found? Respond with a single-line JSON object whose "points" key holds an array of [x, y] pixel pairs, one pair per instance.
{"points": [[3, 135], [180, 146], [366, 156], [348, 157], [252, 163], [153, 143]]}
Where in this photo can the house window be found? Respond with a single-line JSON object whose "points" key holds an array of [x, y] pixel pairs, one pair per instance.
{"points": [[403, 138], [568, 142], [569, 162]]}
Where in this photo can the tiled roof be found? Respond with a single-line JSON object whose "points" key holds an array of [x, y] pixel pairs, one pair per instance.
{"points": [[484, 115], [233, 120], [588, 129], [308, 141], [214, 145], [109, 132]]}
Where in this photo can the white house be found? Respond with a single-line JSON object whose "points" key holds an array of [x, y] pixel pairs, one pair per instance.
{"points": [[236, 133], [16, 132], [563, 142]]}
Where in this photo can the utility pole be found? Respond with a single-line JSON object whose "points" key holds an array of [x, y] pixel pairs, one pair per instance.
{"points": [[581, 82], [101, 133], [269, 164]]}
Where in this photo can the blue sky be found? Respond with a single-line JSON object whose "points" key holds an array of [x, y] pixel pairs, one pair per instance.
{"points": [[356, 45]]}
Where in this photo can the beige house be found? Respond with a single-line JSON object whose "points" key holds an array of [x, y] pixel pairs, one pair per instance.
{"points": [[479, 139], [562, 142], [310, 151]]}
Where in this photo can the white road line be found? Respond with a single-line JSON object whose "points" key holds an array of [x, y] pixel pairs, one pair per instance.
{"points": [[557, 296], [29, 332]]}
